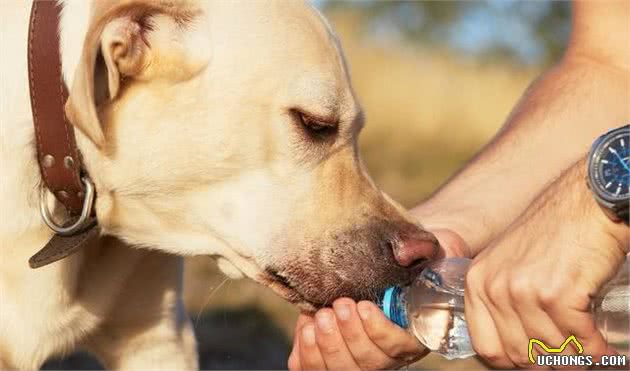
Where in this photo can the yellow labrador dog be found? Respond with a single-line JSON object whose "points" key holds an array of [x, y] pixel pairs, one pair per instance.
{"points": [[223, 128]]}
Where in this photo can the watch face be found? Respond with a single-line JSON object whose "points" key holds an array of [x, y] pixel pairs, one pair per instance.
{"points": [[611, 167]]}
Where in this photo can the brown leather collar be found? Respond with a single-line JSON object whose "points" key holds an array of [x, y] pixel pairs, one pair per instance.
{"points": [[57, 154]]}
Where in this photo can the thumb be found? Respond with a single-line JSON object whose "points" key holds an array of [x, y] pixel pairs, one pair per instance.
{"points": [[451, 243]]}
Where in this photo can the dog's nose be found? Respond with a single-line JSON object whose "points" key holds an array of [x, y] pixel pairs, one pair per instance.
{"points": [[416, 248]]}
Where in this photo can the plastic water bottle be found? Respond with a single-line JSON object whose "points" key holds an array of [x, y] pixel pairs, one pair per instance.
{"points": [[432, 308]]}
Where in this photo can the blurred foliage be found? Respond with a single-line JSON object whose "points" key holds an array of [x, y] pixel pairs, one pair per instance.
{"points": [[513, 30]]}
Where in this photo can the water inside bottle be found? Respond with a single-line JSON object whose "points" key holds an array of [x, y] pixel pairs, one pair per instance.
{"points": [[437, 304], [433, 308], [436, 300]]}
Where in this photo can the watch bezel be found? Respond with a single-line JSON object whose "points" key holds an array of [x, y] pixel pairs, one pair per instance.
{"points": [[603, 196]]}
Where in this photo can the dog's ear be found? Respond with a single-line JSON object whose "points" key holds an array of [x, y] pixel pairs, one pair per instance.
{"points": [[113, 49], [116, 48]]}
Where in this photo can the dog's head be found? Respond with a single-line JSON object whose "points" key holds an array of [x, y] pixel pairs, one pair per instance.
{"points": [[230, 129]]}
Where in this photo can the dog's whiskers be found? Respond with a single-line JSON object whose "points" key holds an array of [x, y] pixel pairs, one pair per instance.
{"points": [[210, 295]]}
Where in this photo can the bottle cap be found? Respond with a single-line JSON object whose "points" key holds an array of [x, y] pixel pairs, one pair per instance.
{"points": [[393, 304]]}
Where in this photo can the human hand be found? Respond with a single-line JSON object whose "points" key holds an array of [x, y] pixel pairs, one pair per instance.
{"points": [[351, 336], [358, 335], [537, 279], [451, 228]]}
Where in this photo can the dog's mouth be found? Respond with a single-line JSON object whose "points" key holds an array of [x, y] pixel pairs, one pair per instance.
{"points": [[293, 293], [282, 286]]}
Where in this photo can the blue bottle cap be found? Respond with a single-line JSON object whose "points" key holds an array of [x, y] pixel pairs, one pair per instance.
{"points": [[394, 306]]}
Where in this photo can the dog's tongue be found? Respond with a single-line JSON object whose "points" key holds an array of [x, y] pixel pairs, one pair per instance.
{"points": [[410, 250]]}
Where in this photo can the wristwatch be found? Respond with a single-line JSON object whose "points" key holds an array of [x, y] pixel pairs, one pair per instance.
{"points": [[609, 173]]}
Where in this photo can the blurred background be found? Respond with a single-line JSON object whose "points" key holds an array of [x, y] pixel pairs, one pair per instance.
{"points": [[436, 79]]}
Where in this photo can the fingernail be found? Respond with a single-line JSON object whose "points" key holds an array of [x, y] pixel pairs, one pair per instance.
{"points": [[324, 321], [343, 312], [308, 334], [364, 310]]}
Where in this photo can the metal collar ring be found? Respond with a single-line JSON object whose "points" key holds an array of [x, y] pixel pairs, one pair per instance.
{"points": [[84, 219]]}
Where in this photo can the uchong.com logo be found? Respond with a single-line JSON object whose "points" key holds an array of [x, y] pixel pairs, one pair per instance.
{"points": [[553, 358]]}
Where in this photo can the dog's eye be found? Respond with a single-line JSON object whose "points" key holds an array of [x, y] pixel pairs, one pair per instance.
{"points": [[314, 127]]}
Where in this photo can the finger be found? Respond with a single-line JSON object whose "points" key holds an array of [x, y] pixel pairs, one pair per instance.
{"points": [[483, 332], [507, 322], [537, 323], [310, 357], [539, 326], [294, 358], [330, 342], [570, 308], [293, 364], [367, 354], [512, 335], [452, 243], [582, 326], [394, 341], [302, 320]]}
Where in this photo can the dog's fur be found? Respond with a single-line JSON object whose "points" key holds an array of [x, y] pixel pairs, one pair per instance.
{"points": [[220, 128]]}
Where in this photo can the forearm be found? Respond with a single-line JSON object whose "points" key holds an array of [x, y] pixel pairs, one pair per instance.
{"points": [[571, 198], [553, 260], [553, 125]]}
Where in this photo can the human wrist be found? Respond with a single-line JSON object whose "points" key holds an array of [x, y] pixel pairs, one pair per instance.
{"points": [[601, 220], [616, 230]]}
